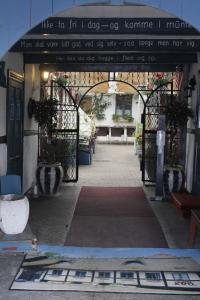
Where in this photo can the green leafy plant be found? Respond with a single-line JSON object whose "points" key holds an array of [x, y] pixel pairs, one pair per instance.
{"points": [[128, 118], [177, 114], [138, 134], [116, 118], [45, 113], [160, 78], [62, 80], [138, 140], [95, 106], [99, 106]]}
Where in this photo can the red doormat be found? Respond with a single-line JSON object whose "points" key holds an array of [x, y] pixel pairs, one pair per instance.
{"points": [[114, 217]]}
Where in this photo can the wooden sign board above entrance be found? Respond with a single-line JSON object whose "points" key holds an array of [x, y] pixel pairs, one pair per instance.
{"points": [[66, 25], [40, 45], [122, 58]]}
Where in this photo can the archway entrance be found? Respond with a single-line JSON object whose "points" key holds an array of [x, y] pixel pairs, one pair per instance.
{"points": [[122, 39], [154, 89], [127, 41]]}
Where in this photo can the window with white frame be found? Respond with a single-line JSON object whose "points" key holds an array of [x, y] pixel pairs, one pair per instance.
{"points": [[80, 273], [152, 276], [180, 276], [123, 105], [104, 274], [127, 275]]}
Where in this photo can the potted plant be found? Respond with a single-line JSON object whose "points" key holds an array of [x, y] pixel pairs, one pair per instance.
{"points": [[125, 118], [138, 139], [128, 118], [14, 213], [49, 172], [44, 113], [177, 114], [116, 118], [14, 205]]}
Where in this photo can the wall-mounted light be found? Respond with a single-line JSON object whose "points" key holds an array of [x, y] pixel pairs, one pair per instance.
{"points": [[45, 76], [190, 87], [2, 74]]}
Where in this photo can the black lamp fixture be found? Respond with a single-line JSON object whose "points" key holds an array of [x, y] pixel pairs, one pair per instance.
{"points": [[190, 87], [2, 74]]}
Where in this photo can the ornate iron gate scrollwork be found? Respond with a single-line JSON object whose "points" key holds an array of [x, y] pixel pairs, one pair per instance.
{"points": [[65, 136], [154, 106], [63, 143]]}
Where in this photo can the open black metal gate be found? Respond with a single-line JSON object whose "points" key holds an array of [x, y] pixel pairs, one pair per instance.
{"points": [[62, 144], [65, 136], [155, 105]]}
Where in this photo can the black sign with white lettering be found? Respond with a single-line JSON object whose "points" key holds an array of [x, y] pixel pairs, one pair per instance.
{"points": [[40, 45], [109, 67], [122, 58], [66, 25]]}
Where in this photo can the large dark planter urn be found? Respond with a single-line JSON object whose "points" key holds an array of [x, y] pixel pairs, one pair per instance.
{"points": [[49, 178], [174, 178]]}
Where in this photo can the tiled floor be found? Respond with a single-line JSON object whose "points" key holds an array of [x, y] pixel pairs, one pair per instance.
{"points": [[113, 165]]}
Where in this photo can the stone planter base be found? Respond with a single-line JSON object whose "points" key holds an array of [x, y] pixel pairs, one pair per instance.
{"points": [[14, 213]]}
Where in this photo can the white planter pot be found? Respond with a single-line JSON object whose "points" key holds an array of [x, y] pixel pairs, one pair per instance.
{"points": [[14, 213], [49, 178]]}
